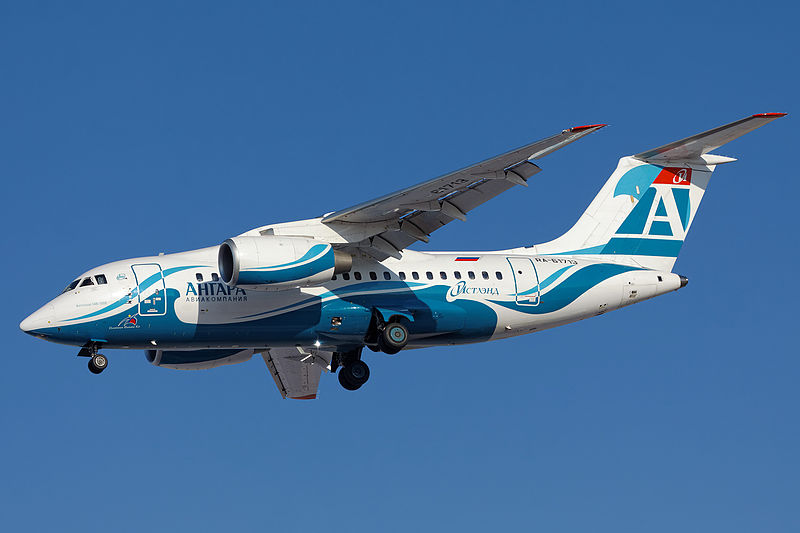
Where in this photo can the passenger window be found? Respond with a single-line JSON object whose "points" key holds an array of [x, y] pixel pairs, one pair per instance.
{"points": [[471, 274], [86, 282], [100, 279], [485, 275], [499, 275], [357, 275], [443, 275], [199, 277], [415, 275], [214, 277], [373, 276], [457, 274], [402, 276], [346, 276], [429, 274], [71, 286], [386, 275]]}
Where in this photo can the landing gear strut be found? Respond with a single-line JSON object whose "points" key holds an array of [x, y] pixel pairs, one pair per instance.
{"points": [[353, 372], [97, 363]]}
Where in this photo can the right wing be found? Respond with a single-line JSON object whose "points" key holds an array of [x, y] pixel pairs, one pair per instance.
{"points": [[397, 220], [296, 371]]}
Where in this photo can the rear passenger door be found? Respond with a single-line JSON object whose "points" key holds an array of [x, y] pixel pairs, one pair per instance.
{"points": [[151, 289], [526, 280]]}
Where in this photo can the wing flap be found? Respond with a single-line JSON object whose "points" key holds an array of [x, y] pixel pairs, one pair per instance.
{"points": [[429, 221], [297, 371]]}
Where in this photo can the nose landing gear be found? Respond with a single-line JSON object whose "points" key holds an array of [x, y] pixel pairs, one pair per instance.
{"points": [[97, 363]]}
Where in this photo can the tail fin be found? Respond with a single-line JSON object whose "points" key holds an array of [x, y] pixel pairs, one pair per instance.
{"points": [[644, 211]]}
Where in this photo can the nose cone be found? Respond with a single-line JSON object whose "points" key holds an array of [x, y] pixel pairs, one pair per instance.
{"points": [[38, 320]]}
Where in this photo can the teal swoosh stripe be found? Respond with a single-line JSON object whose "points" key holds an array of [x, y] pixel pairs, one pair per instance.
{"points": [[636, 246], [584, 251], [314, 250], [145, 284], [570, 289], [632, 246], [341, 292], [547, 281]]}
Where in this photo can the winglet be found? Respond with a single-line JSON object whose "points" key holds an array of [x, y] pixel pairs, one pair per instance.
{"points": [[576, 129], [693, 149], [566, 137]]}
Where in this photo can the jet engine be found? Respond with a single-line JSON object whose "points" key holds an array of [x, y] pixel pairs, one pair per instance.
{"points": [[274, 262], [196, 359]]}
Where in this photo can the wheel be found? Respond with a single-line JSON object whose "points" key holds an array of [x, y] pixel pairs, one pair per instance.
{"points": [[394, 338], [344, 381], [354, 374], [97, 363]]}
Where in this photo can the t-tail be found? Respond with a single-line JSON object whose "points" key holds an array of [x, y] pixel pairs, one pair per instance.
{"points": [[644, 211]]}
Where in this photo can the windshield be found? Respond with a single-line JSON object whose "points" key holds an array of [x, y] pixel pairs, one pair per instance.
{"points": [[71, 286]]}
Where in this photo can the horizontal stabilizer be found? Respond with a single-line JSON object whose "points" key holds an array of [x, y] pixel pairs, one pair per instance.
{"points": [[692, 149]]}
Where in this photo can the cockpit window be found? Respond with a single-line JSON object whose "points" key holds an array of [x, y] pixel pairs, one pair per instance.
{"points": [[71, 286], [87, 281], [100, 279]]}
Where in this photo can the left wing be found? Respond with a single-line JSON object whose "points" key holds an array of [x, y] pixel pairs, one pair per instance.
{"points": [[412, 214], [296, 371]]}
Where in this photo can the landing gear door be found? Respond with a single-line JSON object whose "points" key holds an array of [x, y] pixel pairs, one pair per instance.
{"points": [[526, 280], [151, 289]]}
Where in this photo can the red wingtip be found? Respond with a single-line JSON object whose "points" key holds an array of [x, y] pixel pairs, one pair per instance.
{"points": [[769, 115], [581, 128]]}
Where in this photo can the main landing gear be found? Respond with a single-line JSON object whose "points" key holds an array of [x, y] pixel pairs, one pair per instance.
{"points": [[392, 338], [386, 336], [389, 337], [353, 372]]}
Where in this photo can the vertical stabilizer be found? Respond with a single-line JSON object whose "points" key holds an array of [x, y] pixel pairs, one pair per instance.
{"points": [[644, 211]]}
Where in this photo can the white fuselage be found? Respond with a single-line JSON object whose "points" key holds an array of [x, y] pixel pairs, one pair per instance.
{"points": [[177, 301]]}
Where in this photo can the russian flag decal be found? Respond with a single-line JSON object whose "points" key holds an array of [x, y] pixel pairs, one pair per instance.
{"points": [[467, 258]]}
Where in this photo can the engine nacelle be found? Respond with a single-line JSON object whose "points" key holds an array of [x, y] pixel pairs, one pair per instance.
{"points": [[197, 359], [274, 262]]}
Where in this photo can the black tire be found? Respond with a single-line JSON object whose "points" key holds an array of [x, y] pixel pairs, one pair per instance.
{"points": [[97, 363], [394, 338], [354, 374], [344, 381]]}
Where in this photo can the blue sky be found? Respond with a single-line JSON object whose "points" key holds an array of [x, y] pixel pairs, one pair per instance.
{"points": [[132, 128]]}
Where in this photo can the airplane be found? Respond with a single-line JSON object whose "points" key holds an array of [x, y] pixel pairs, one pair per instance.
{"points": [[310, 295]]}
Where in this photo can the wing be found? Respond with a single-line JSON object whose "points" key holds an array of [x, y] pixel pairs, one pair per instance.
{"points": [[693, 148], [296, 371], [412, 214]]}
